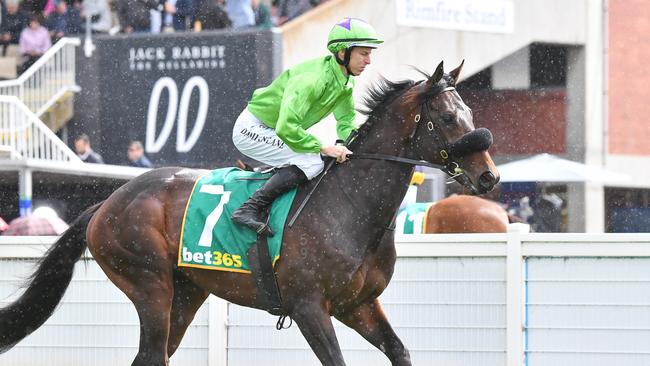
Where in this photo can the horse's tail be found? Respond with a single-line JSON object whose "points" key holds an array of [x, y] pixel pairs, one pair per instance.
{"points": [[46, 286]]}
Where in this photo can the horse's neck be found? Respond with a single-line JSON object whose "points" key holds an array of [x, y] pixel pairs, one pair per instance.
{"points": [[373, 189]]}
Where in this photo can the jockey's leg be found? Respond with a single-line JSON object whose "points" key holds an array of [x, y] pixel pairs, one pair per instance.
{"points": [[252, 212]]}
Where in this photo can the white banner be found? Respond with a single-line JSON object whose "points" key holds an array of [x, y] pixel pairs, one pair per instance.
{"points": [[495, 16]]}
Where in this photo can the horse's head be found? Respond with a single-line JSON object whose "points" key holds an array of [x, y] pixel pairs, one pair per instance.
{"points": [[440, 130]]}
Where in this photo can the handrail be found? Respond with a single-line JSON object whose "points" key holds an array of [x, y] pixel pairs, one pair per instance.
{"points": [[50, 77], [29, 138]]}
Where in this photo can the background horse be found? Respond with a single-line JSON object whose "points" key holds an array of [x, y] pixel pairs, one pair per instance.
{"points": [[336, 259], [465, 214]]}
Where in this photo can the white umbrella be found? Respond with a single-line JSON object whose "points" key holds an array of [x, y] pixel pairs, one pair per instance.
{"points": [[550, 168]]}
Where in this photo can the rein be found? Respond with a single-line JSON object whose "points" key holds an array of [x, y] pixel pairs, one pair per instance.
{"points": [[396, 159]]}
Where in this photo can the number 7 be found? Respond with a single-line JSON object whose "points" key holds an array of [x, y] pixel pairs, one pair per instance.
{"points": [[213, 217]]}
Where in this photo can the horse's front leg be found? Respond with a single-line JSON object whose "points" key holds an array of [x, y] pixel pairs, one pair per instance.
{"points": [[369, 320], [315, 323]]}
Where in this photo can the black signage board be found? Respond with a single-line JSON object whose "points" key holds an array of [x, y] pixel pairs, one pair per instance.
{"points": [[177, 93]]}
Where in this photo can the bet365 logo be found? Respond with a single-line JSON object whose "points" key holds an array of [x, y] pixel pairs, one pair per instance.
{"points": [[184, 142]]}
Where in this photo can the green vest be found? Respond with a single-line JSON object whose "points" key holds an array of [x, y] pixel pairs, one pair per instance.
{"points": [[302, 96]]}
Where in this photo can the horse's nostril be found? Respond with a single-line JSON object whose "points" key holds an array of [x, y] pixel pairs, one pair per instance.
{"points": [[487, 181]]}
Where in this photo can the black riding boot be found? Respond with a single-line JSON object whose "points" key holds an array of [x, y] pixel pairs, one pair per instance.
{"points": [[253, 212]]}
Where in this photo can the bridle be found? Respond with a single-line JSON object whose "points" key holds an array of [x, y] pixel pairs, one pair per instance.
{"points": [[449, 166]]}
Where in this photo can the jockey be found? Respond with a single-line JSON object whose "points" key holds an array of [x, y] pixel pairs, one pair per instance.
{"points": [[272, 128]]}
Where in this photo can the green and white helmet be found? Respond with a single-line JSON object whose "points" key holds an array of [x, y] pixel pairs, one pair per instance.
{"points": [[352, 32]]}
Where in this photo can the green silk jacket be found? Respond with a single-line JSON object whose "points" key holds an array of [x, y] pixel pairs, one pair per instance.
{"points": [[302, 96]]}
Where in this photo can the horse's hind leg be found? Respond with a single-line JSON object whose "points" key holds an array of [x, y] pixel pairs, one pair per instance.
{"points": [[136, 262], [188, 297], [371, 323]]}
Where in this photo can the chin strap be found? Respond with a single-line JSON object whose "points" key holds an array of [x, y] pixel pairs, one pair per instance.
{"points": [[346, 60]]}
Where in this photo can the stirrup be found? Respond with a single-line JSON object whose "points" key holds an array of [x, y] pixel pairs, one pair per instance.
{"points": [[265, 230]]}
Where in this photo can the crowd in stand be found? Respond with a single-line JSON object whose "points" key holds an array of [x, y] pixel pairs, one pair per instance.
{"points": [[34, 25]]}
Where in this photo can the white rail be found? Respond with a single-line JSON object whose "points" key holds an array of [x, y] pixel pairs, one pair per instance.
{"points": [[48, 79], [25, 137], [460, 299]]}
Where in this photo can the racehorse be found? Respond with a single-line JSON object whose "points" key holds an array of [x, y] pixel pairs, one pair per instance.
{"points": [[466, 214], [336, 259]]}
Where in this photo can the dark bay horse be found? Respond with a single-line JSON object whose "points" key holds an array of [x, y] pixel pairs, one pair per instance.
{"points": [[336, 260], [465, 214]]}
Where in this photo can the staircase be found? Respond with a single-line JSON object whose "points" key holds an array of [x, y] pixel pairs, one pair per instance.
{"points": [[43, 92], [24, 136]]}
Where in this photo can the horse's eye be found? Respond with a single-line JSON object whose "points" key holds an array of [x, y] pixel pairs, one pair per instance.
{"points": [[448, 118]]}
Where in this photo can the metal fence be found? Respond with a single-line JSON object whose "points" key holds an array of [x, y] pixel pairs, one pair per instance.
{"points": [[474, 299], [48, 79]]}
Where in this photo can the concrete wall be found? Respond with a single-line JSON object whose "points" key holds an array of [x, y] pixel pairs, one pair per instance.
{"points": [[553, 21]]}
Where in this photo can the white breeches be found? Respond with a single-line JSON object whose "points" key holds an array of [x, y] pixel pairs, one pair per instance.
{"points": [[257, 141]]}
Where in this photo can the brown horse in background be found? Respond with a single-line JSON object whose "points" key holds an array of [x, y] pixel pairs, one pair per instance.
{"points": [[466, 214], [335, 261]]}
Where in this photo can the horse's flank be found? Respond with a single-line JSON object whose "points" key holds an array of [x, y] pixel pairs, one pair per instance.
{"points": [[466, 214]]}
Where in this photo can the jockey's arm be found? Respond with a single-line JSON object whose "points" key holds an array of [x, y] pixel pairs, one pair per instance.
{"points": [[344, 113], [295, 105]]}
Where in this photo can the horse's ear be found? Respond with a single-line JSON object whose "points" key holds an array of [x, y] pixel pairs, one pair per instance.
{"points": [[455, 73], [435, 78]]}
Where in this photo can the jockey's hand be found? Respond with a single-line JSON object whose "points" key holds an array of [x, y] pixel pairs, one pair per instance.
{"points": [[336, 151]]}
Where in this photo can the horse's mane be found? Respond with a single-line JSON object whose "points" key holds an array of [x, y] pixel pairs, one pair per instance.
{"points": [[378, 96], [384, 92]]}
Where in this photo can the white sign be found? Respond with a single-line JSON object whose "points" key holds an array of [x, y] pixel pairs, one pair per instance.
{"points": [[183, 143], [495, 16]]}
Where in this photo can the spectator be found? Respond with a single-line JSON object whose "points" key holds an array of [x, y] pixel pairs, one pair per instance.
{"points": [[14, 20], [241, 13], [34, 41], [136, 155], [99, 13], [49, 8], [290, 9], [33, 7], [63, 21], [134, 15], [162, 18], [167, 16], [185, 13], [262, 14], [85, 152], [212, 15]]}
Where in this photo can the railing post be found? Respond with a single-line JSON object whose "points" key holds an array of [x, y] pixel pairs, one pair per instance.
{"points": [[217, 331], [514, 296], [25, 189]]}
